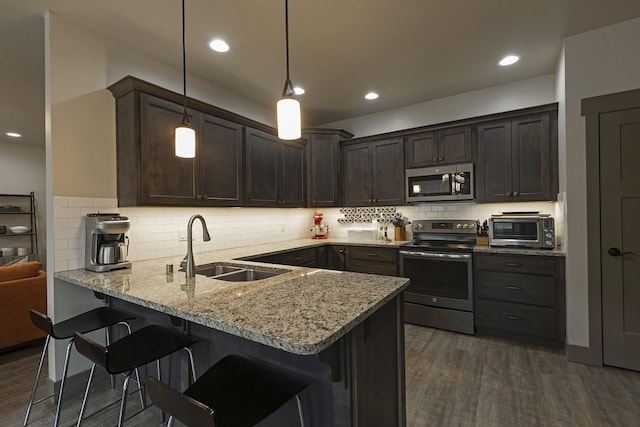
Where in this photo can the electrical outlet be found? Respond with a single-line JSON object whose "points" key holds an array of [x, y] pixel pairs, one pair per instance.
{"points": [[182, 235]]}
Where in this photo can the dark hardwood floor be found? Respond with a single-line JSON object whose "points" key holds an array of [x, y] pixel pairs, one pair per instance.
{"points": [[452, 380]]}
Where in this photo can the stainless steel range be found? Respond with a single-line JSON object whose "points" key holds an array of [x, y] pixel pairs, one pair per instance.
{"points": [[439, 263]]}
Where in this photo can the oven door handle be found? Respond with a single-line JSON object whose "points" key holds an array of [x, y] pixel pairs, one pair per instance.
{"points": [[436, 255]]}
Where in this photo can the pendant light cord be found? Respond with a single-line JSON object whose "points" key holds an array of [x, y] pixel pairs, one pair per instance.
{"points": [[288, 86], [185, 117]]}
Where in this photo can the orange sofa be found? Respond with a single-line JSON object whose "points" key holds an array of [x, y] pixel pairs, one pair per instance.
{"points": [[22, 287]]}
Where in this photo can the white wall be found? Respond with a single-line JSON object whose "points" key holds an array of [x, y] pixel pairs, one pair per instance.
{"points": [[598, 62], [513, 96]]}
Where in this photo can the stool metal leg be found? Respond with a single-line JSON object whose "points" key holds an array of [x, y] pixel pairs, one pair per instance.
{"points": [[300, 411], [35, 384], [62, 381], [86, 394], [123, 403]]}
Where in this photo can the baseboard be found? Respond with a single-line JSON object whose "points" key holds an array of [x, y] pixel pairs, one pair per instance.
{"points": [[578, 354]]}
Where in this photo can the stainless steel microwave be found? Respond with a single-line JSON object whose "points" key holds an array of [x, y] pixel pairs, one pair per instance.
{"points": [[528, 231], [440, 183]]}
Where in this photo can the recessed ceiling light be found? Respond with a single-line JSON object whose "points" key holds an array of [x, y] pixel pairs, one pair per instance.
{"points": [[371, 95], [298, 90], [509, 60], [219, 45], [14, 134]]}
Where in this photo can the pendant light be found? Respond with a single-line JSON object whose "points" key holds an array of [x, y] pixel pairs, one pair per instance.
{"points": [[288, 107], [185, 137]]}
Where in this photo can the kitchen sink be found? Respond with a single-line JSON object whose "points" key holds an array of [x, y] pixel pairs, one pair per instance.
{"points": [[234, 273], [246, 275], [216, 269]]}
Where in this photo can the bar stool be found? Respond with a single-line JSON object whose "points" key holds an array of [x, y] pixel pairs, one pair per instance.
{"points": [[99, 318], [236, 391], [143, 346]]}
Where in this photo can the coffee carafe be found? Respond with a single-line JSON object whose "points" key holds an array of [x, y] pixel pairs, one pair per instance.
{"points": [[107, 244]]}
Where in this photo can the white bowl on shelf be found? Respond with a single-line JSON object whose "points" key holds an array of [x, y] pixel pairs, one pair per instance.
{"points": [[19, 229]]}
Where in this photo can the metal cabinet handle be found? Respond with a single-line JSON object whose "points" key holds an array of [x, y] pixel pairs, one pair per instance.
{"points": [[513, 288], [509, 194], [372, 255], [440, 159], [516, 194], [341, 251], [434, 159], [297, 258], [617, 252], [512, 264], [512, 317]]}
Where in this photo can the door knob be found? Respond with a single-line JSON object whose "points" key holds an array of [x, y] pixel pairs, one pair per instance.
{"points": [[617, 252]]}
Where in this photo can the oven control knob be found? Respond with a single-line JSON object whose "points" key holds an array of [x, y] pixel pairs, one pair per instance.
{"points": [[465, 226], [419, 226], [458, 225], [434, 299], [472, 226]]}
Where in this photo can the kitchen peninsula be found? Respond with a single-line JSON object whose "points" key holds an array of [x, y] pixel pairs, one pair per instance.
{"points": [[343, 331]]}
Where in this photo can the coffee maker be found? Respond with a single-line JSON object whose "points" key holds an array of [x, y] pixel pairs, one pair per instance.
{"points": [[105, 248], [319, 230]]}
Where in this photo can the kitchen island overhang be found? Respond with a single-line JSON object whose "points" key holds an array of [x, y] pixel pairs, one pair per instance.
{"points": [[343, 330]]}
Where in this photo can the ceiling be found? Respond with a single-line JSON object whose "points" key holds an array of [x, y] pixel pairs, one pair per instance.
{"points": [[409, 51]]}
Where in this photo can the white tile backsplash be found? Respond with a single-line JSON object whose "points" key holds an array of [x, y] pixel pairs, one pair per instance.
{"points": [[155, 231]]}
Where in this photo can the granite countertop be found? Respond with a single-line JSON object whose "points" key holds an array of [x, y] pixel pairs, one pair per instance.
{"points": [[518, 251], [302, 311]]}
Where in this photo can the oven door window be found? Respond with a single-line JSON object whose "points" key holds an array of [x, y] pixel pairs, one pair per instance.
{"points": [[431, 185], [446, 279], [516, 230]]}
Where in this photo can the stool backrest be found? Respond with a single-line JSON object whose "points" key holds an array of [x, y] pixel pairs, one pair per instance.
{"points": [[91, 350], [41, 321], [187, 410]]}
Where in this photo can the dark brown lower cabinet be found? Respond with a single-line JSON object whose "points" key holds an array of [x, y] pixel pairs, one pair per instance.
{"points": [[520, 297], [373, 260], [307, 257]]}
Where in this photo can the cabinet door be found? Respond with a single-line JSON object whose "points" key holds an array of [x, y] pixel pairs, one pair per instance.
{"points": [[357, 174], [388, 172], [421, 150], [164, 178], [262, 168], [336, 257], [219, 162], [454, 145], [493, 168], [291, 174], [531, 158], [323, 176]]}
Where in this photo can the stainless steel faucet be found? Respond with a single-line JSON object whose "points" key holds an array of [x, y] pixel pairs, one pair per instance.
{"points": [[190, 266]]}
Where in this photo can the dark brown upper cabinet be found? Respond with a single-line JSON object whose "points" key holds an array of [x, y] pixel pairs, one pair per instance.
{"points": [[517, 159], [220, 162], [149, 173], [373, 173], [275, 170], [323, 166], [438, 147]]}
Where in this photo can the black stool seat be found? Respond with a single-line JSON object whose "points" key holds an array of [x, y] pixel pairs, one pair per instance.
{"points": [[143, 346], [89, 321], [92, 320], [236, 391], [139, 348]]}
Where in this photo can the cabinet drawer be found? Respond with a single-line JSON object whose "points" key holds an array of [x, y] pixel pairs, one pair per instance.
{"points": [[513, 287], [373, 267], [516, 263], [306, 257], [373, 254], [517, 318]]}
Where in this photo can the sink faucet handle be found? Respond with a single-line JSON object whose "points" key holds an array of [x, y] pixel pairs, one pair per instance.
{"points": [[183, 263]]}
